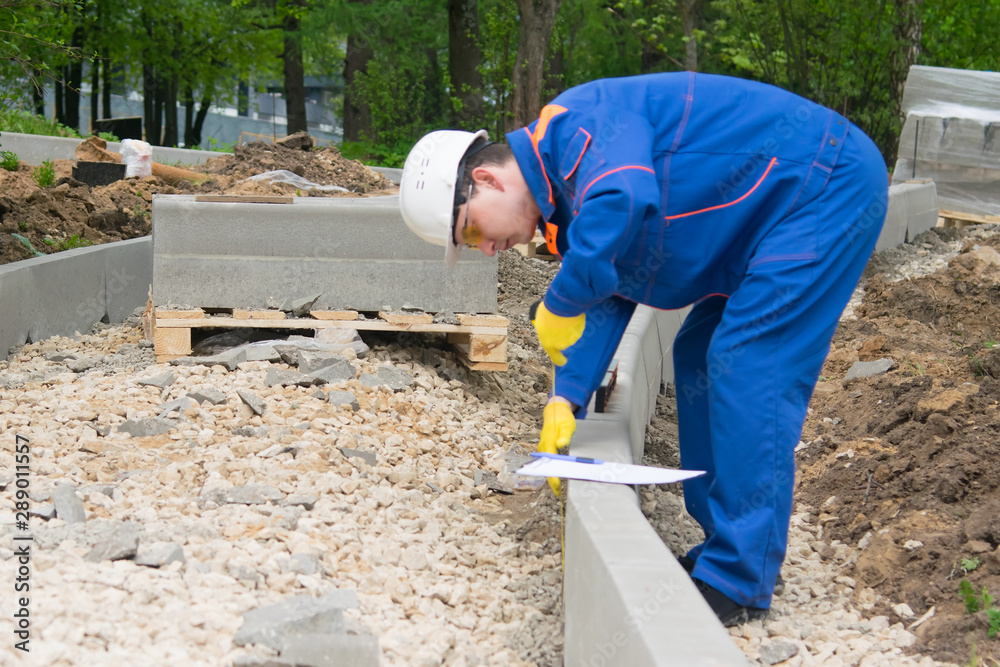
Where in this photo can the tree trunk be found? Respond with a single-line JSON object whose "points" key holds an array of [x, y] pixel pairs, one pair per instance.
{"points": [[38, 96], [357, 114], [106, 89], [158, 95], [95, 92], [59, 114], [464, 59], [537, 19], [188, 116], [149, 104], [689, 22], [295, 87], [170, 112], [199, 119]]}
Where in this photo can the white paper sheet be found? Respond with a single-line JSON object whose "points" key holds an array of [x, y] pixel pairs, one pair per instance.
{"points": [[612, 473]]}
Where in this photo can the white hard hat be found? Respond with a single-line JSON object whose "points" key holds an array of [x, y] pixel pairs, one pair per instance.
{"points": [[427, 190]]}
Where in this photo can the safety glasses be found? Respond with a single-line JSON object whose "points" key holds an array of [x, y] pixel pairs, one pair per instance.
{"points": [[472, 236]]}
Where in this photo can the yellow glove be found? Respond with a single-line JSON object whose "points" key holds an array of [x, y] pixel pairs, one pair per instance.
{"points": [[556, 333], [557, 429]]}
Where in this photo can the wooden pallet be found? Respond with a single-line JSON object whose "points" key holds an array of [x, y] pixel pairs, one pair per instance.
{"points": [[536, 248], [957, 219], [480, 339]]}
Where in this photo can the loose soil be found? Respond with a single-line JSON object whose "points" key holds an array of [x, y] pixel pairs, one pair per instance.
{"points": [[71, 214], [906, 465]]}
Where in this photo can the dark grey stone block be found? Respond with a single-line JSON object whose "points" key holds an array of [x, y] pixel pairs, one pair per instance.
{"points": [[179, 405], [389, 377], [146, 427], [255, 402], [287, 378], [230, 359], [310, 361], [863, 369], [301, 306], [68, 505], [368, 457], [343, 398], [120, 544], [276, 625], [305, 500], [210, 394], [337, 372], [163, 380]]}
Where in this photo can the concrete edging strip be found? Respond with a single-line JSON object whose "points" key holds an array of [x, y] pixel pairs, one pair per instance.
{"points": [[627, 601], [70, 291]]}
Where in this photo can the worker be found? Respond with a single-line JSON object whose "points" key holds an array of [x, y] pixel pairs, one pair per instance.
{"points": [[756, 207]]}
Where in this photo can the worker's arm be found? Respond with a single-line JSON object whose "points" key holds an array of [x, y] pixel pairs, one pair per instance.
{"points": [[616, 193], [589, 358]]}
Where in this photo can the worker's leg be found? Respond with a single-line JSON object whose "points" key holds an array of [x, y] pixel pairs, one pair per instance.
{"points": [[768, 350], [692, 380]]}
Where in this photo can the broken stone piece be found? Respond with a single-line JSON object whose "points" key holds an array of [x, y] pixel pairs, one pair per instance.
{"points": [[210, 394], [159, 554], [369, 457], [862, 369], [287, 378], [277, 625], [253, 401], [163, 380], [68, 505], [299, 307], [343, 398], [119, 544], [146, 427]]}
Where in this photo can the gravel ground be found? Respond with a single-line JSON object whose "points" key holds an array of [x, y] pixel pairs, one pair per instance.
{"points": [[256, 508], [390, 500]]}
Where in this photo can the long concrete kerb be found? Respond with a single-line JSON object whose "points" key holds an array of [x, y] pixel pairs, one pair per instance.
{"points": [[627, 600], [70, 291]]}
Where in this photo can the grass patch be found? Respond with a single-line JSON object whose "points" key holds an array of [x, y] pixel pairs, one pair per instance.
{"points": [[44, 174]]}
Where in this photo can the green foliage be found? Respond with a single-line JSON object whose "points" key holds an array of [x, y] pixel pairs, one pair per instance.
{"points": [[970, 564], [44, 174], [993, 617], [221, 147], [108, 136], [975, 602], [8, 160], [74, 241], [14, 120], [376, 154]]}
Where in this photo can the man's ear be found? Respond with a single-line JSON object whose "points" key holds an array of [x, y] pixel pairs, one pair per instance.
{"points": [[485, 177]]}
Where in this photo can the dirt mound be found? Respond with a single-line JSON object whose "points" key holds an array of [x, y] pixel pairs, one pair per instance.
{"points": [[325, 166], [69, 214], [906, 465]]}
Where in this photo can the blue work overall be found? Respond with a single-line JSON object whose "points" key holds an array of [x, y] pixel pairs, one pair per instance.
{"points": [[757, 206]]}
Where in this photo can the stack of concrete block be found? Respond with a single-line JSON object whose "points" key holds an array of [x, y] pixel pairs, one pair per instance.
{"points": [[354, 253], [913, 208], [950, 136]]}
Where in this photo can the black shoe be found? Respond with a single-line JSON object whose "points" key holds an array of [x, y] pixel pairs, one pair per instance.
{"points": [[730, 613], [688, 564]]}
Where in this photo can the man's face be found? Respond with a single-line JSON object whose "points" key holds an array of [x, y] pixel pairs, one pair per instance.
{"points": [[502, 210]]}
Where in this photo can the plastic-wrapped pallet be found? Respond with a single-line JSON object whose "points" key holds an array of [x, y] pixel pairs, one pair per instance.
{"points": [[950, 136]]}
